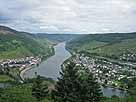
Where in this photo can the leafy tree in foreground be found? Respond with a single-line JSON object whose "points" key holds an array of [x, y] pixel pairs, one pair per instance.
{"points": [[90, 90], [76, 84], [113, 98], [131, 93], [66, 89], [39, 90]]}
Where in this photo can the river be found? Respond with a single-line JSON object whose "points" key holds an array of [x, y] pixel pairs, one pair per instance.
{"points": [[51, 67]]}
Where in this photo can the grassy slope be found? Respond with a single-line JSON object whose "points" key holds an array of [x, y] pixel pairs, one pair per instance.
{"points": [[117, 48], [22, 92], [5, 78], [15, 44], [105, 44]]}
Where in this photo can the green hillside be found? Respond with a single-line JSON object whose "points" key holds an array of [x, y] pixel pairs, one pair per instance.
{"points": [[14, 44], [107, 45], [58, 37]]}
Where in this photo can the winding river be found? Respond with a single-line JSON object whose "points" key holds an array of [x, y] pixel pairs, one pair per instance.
{"points": [[51, 67]]}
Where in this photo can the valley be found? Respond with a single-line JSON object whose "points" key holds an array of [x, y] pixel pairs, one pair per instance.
{"points": [[111, 59]]}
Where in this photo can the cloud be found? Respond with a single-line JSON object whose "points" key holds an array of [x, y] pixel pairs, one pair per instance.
{"points": [[69, 16]]}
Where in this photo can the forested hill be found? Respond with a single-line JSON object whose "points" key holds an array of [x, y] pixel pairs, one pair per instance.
{"points": [[15, 44], [112, 44], [58, 37]]}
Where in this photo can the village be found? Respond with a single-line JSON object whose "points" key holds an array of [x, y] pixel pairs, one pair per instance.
{"points": [[128, 56], [107, 73], [20, 64]]}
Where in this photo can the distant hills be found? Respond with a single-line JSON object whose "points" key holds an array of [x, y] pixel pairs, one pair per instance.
{"points": [[107, 45], [15, 44], [58, 37]]}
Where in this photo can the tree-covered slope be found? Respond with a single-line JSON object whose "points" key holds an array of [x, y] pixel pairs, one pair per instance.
{"points": [[58, 37], [113, 44], [14, 44]]}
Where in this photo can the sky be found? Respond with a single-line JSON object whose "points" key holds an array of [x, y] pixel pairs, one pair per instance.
{"points": [[69, 16]]}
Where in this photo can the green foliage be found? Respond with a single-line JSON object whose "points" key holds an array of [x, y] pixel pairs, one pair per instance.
{"points": [[58, 37], [66, 89], [111, 99], [19, 93], [76, 85], [5, 78], [39, 89], [14, 44], [90, 90], [131, 95], [107, 45], [27, 92]]}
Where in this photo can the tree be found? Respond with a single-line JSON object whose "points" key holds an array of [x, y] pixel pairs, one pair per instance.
{"points": [[131, 93], [113, 98], [76, 84], [66, 88], [39, 90], [90, 90]]}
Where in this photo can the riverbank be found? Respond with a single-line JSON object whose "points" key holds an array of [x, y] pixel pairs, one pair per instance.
{"points": [[51, 67], [29, 67], [21, 74], [95, 64]]}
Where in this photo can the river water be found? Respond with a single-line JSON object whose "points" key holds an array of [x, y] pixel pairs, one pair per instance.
{"points": [[51, 67]]}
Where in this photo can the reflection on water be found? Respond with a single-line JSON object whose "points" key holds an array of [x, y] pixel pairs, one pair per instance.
{"points": [[112, 91]]}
